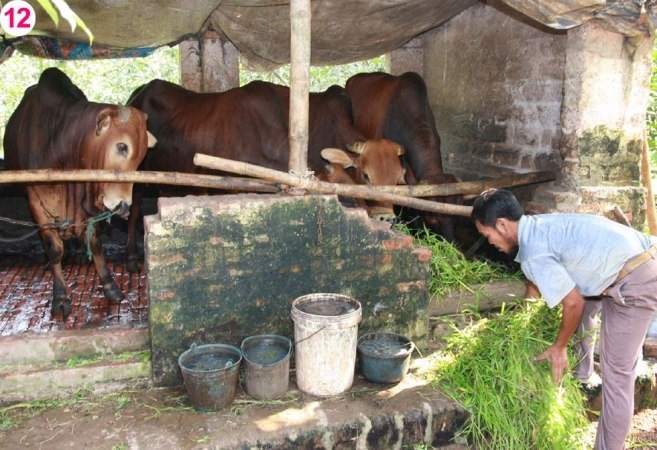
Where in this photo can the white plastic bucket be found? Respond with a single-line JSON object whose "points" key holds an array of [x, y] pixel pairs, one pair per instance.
{"points": [[325, 341]]}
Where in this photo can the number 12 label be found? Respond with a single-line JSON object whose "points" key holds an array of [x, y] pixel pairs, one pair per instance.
{"points": [[17, 18]]}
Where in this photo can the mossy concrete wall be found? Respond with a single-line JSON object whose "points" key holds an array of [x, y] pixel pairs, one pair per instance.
{"points": [[222, 268]]}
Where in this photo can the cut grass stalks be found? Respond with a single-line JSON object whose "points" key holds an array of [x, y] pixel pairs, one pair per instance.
{"points": [[513, 402], [451, 270]]}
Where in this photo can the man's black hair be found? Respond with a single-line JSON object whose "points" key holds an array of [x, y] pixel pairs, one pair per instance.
{"points": [[493, 204]]}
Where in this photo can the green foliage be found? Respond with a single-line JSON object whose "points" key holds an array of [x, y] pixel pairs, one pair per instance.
{"points": [[321, 78], [67, 13], [489, 368], [651, 114]]}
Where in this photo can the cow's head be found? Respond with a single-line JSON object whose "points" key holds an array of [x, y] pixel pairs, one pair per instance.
{"points": [[374, 162], [119, 142]]}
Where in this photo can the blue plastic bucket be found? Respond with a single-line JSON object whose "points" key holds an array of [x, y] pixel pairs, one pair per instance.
{"points": [[384, 357]]}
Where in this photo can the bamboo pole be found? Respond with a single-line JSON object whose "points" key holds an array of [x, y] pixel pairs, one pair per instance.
{"points": [[242, 184], [646, 179], [314, 185], [109, 176], [469, 187], [300, 20]]}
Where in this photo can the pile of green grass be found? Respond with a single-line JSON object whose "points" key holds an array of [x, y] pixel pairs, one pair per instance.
{"points": [[451, 270], [513, 402]]}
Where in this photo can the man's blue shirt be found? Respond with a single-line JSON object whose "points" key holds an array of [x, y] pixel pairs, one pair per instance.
{"points": [[559, 252]]}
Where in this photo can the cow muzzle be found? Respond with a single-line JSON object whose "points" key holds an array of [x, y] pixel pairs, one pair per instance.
{"points": [[383, 214], [122, 210]]}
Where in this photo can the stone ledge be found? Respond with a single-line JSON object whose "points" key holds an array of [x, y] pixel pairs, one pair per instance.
{"points": [[31, 349], [368, 416], [50, 383]]}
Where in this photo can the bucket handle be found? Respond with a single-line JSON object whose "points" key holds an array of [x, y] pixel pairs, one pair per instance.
{"points": [[308, 337]]}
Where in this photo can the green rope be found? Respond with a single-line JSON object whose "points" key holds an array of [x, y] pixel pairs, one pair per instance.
{"points": [[90, 229]]}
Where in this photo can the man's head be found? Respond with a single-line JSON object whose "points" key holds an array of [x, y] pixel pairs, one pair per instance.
{"points": [[496, 213]]}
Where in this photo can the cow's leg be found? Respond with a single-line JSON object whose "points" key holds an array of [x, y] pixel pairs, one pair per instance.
{"points": [[54, 248], [135, 214], [110, 288]]}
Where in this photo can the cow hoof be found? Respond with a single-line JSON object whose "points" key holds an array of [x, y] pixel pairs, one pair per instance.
{"points": [[113, 293], [63, 306], [134, 266]]}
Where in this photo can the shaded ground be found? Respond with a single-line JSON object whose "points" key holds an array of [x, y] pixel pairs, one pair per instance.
{"points": [[161, 418], [139, 417]]}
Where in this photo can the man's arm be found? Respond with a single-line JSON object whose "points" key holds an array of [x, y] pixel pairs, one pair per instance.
{"points": [[557, 354], [531, 290]]}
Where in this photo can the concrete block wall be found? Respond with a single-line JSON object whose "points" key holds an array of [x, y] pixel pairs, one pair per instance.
{"points": [[495, 88], [510, 95], [222, 268]]}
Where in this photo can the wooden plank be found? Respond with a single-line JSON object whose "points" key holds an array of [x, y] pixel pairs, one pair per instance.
{"points": [[480, 297]]}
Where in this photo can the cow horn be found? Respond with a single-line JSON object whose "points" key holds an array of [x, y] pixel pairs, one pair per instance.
{"points": [[357, 147], [124, 114], [400, 150]]}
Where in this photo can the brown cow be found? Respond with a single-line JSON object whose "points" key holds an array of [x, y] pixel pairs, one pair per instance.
{"points": [[55, 127], [373, 162], [331, 125], [247, 124], [397, 108]]}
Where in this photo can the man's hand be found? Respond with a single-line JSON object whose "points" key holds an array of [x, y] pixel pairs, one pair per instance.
{"points": [[571, 316], [558, 357]]}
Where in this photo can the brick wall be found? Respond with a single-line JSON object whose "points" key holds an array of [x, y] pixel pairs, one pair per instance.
{"points": [[226, 267], [495, 87]]}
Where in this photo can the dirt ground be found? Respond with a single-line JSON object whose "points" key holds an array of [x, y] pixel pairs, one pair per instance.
{"points": [[140, 417]]}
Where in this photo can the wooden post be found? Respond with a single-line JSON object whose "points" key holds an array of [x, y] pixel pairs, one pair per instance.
{"points": [[646, 179], [300, 18]]}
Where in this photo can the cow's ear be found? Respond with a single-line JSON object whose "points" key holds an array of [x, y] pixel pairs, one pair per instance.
{"points": [[103, 121], [356, 147], [337, 156], [402, 177], [152, 140]]}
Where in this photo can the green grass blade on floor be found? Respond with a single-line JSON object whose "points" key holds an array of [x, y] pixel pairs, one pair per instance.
{"points": [[451, 270], [513, 402]]}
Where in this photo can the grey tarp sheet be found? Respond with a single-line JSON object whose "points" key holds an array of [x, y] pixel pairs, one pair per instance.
{"points": [[342, 30]]}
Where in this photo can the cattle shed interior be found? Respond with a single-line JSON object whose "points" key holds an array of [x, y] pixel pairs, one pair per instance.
{"points": [[515, 86]]}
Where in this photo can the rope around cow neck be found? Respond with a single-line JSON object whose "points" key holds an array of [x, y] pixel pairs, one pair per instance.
{"points": [[60, 225], [91, 223]]}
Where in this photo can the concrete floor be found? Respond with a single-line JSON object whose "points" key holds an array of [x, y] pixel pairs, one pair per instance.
{"points": [[26, 294], [26, 279]]}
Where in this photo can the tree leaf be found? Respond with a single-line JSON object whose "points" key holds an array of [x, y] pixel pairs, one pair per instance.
{"points": [[47, 6], [72, 18]]}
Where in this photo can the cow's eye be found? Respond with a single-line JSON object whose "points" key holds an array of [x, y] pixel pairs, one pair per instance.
{"points": [[122, 149], [366, 177]]}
